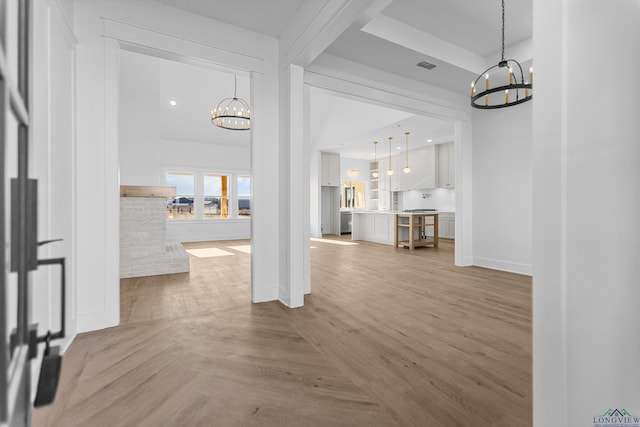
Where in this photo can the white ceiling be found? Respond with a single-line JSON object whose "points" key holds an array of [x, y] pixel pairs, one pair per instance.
{"points": [[196, 91], [349, 127], [471, 24], [267, 17], [449, 33]]}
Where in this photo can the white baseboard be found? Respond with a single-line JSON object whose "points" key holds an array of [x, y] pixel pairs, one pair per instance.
{"points": [[497, 264], [96, 321], [265, 294], [208, 238]]}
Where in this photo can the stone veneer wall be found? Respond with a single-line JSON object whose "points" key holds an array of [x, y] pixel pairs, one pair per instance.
{"points": [[143, 249]]}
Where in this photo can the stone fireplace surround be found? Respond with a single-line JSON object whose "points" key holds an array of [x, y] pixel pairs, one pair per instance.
{"points": [[144, 250]]}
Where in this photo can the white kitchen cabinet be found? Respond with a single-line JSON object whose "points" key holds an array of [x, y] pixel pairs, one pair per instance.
{"points": [[446, 166], [373, 186], [373, 227], [422, 162], [330, 210], [383, 185], [330, 169], [447, 225]]}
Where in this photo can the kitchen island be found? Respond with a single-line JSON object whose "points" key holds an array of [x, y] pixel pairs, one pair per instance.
{"points": [[411, 229], [382, 227], [373, 226]]}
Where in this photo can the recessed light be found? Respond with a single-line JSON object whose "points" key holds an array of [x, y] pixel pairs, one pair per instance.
{"points": [[429, 140], [398, 148], [173, 103]]}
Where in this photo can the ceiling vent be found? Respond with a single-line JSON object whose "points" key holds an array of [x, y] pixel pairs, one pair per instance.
{"points": [[427, 65]]}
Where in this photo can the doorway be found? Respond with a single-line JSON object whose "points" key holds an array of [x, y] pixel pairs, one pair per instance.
{"points": [[401, 153], [166, 139]]}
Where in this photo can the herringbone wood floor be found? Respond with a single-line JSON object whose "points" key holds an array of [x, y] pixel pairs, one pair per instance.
{"points": [[387, 338]]}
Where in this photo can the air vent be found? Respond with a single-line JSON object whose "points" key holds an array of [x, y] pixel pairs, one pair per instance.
{"points": [[427, 65]]}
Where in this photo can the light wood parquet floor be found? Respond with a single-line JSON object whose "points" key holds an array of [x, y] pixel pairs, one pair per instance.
{"points": [[388, 337]]}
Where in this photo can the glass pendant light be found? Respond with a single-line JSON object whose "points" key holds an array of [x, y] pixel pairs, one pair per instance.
{"points": [[406, 169], [390, 170]]}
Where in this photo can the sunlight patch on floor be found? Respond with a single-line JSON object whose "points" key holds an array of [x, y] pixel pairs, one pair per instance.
{"points": [[208, 252], [242, 248], [334, 242]]}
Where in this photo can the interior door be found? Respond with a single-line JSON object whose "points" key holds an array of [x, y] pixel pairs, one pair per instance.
{"points": [[18, 251]]}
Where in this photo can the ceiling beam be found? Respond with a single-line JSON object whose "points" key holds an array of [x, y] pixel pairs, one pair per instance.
{"points": [[407, 36], [317, 24]]}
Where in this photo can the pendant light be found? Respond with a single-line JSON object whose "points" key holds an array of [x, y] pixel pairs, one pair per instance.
{"points": [[390, 171], [513, 88], [406, 169], [375, 160], [232, 113]]}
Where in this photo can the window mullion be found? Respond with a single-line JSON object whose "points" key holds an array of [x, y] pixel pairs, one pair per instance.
{"points": [[198, 202]]}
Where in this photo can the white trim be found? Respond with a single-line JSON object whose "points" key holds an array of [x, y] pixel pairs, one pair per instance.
{"points": [[208, 221], [73, 270], [265, 294], [397, 98], [65, 26], [111, 184], [508, 266], [148, 39], [387, 97]]}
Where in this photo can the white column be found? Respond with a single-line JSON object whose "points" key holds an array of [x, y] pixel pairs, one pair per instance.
{"points": [[294, 231], [310, 183], [265, 206], [586, 200]]}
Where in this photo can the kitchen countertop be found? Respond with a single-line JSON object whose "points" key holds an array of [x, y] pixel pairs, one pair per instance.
{"points": [[365, 211]]}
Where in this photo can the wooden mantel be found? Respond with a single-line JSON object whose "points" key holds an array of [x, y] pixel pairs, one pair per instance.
{"points": [[147, 191]]}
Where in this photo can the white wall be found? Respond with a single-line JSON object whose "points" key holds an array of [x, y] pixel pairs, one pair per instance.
{"points": [[502, 192], [443, 199], [361, 166], [53, 165], [586, 322], [53, 136]]}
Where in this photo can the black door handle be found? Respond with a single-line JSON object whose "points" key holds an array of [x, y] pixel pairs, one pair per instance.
{"points": [[52, 359]]}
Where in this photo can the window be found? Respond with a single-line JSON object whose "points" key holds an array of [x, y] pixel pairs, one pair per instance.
{"points": [[352, 195], [216, 196], [244, 196], [181, 206], [208, 195]]}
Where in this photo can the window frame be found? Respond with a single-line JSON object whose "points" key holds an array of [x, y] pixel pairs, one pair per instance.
{"points": [[228, 196], [239, 197], [177, 171], [198, 200]]}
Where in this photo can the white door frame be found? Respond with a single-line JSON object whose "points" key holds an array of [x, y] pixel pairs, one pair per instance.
{"points": [[399, 99]]}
